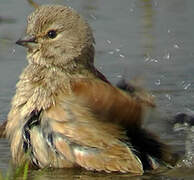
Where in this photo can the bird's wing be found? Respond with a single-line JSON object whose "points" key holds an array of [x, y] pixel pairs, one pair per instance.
{"points": [[87, 127], [109, 102], [73, 132]]}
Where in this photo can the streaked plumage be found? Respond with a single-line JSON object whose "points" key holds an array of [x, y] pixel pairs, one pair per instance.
{"points": [[2, 129], [65, 113]]}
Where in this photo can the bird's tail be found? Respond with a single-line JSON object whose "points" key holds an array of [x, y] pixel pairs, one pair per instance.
{"points": [[150, 150]]}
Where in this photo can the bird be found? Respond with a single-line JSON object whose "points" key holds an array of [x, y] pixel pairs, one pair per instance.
{"points": [[66, 114]]}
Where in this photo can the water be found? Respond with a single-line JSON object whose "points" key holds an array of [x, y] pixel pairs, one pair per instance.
{"points": [[147, 39]]}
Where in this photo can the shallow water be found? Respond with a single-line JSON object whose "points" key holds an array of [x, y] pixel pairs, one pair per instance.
{"points": [[147, 39]]}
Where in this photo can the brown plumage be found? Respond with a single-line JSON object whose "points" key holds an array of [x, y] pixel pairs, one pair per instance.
{"points": [[65, 113], [2, 129]]}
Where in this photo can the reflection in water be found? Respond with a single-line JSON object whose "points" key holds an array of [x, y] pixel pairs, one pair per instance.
{"points": [[78, 174], [69, 174], [185, 127], [147, 21], [189, 147], [7, 20], [33, 4]]}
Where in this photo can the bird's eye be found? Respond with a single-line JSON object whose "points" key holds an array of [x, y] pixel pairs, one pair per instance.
{"points": [[52, 34]]}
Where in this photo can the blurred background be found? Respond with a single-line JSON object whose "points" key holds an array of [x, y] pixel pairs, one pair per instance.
{"points": [[147, 39]]}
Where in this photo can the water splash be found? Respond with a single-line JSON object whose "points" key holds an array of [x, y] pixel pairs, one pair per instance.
{"points": [[149, 59], [176, 46], [122, 56], [158, 82], [111, 52], [117, 50], [168, 97], [154, 60], [188, 161], [187, 86], [119, 76], [13, 51], [93, 17], [167, 56], [109, 41]]}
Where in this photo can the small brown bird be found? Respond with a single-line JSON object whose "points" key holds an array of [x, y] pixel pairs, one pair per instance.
{"points": [[65, 113]]}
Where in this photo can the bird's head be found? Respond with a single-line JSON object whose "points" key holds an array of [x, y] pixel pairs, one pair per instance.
{"points": [[57, 35]]}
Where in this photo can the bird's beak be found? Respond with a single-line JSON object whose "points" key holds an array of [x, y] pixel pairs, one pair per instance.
{"points": [[27, 41]]}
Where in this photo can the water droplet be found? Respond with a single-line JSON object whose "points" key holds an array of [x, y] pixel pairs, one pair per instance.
{"points": [[93, 17], [111, 52], [108, 41], [167, 56], [147, 59], [158, 82], [153, 60], [117, 50], [13, 51], [182, 82], [121, 55], [187, 86], [176, 46], [168, 96]]}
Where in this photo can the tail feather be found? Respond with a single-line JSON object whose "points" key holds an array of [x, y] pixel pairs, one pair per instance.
{"points": [[147, 147]]}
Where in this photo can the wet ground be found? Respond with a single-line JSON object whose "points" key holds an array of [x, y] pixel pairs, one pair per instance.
{"points": [[147, 39]]}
